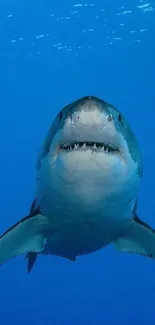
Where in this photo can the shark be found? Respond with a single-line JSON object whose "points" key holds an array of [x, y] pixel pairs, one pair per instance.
{"points": [[88, 174]]}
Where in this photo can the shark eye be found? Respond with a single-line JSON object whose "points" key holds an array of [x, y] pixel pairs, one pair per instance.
{"points": [[60, 116], [110, 118], [119, 117]]}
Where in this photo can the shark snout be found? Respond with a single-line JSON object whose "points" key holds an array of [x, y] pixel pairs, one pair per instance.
{"points": [[89, 125], [90, 112], [90, 119]]}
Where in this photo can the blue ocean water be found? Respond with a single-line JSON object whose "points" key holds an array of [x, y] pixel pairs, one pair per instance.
{"points": [[52, 53]]}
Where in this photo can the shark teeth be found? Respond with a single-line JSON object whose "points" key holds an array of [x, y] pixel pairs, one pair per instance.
{"points": [[94, 146]]}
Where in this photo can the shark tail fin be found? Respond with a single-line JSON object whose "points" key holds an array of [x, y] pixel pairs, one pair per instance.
{"points": [[31, 257], [141, 239], [24, 237]]}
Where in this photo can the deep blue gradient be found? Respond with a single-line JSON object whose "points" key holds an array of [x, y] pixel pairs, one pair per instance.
{"points": [[52, 53]]}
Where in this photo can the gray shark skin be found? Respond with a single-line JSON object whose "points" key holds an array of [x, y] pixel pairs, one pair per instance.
{"points": [[88, 173]]}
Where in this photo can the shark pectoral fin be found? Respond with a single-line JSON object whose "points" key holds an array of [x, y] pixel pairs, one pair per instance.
{"points": [[141, 239], [25, 236]]}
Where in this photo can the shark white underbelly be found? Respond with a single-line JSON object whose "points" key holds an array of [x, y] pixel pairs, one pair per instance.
{"points": [[84, 214]]}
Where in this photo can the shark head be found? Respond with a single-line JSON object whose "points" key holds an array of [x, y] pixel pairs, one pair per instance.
{"points": [[91, 146]]}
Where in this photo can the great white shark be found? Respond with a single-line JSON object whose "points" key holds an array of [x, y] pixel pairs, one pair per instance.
{"points": [[88, 174]]}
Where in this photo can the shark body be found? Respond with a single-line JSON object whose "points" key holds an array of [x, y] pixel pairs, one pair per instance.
{"points": [[87, 178]]}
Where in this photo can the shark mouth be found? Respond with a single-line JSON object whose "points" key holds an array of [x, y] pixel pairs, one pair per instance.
{"points": [[94, 146]]}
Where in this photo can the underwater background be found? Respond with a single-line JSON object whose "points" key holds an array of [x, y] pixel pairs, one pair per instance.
{"points": [[51, 53]]}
